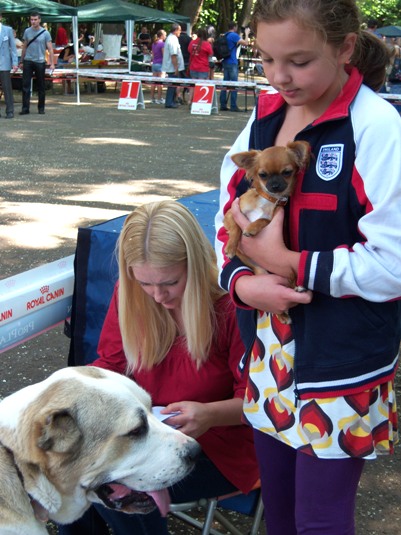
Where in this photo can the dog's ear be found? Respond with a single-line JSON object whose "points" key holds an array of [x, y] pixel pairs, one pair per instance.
{"points": [[59, 432], [246, 160], [301, 151]]}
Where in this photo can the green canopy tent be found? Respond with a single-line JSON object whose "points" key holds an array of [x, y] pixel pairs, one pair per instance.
{"points": [[44, 7], [48, 10], [122, 11]]}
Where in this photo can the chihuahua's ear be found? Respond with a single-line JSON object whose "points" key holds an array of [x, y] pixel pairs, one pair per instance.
{"points": [[301, 151], [245, 160]]}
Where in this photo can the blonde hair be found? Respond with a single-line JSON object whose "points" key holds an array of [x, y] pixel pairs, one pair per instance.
{"points": [[165, 234], [158, 35], [333, 20]]}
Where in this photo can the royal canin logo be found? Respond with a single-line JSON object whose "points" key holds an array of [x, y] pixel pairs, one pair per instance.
{"points": [[45, 298]]}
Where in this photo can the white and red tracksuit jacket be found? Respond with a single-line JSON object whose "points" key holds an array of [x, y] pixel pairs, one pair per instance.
{"points": [[345, 219]]}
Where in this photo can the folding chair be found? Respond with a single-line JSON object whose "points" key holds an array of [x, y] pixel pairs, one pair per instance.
{"points": [[249, 504]]}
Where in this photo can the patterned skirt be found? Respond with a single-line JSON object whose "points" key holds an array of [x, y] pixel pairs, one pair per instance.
{"points": [[363, 425]]}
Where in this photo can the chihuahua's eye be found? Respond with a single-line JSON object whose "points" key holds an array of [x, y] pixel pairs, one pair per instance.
{"points": [[262, 175], [286, 173]]}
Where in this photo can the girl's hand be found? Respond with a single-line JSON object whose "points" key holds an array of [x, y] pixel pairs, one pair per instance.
{"points": [[194, 418], [270, 293], [267, 249]]}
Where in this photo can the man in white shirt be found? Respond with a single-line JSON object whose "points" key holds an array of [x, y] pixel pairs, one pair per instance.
{"points": [[173, 62]]}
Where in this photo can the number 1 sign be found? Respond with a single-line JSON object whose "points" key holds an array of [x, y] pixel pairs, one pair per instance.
{"points": [[204, 100], [131, 95]]}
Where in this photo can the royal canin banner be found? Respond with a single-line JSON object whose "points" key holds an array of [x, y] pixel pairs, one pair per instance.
{"points": [[34, 301]]}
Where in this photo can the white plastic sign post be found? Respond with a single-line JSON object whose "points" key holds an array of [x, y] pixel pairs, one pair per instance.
{"points": [[204, 101], [131, 96]]}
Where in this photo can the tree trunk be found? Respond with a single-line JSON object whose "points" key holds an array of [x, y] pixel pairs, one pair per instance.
{"points": [[225, 15], [245, 15], [191, 9]]}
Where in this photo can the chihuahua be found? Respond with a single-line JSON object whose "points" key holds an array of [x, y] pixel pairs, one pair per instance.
{"points": [[272, 174]]}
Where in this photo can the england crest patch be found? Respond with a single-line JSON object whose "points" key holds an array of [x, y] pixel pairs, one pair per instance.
{"points": [[330, 161]]}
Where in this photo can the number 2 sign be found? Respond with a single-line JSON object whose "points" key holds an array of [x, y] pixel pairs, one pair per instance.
{"points": [[131, 95], [204, 100]]}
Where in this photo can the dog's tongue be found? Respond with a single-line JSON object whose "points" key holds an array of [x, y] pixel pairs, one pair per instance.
{"points": [[162, 499]]}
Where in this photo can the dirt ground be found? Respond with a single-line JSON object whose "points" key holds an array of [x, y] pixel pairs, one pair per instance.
{"points": [[80, 165]]}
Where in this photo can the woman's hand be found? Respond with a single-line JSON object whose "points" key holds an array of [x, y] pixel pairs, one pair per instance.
{"points": [[196, 418], [193, 420], [267, 249]]}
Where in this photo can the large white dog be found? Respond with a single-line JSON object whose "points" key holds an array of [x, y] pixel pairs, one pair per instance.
{"points": [[83, 436]]}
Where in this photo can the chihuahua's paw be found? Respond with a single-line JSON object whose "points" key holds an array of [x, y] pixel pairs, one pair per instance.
{"points": [[229, 252], [248, 233], [300, 289]]}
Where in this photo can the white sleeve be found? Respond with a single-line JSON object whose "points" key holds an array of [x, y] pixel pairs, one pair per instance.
{"points": [[370, 269], [228, 184]]}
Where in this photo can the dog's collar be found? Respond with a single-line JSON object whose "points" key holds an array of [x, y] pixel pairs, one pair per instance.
{"points": [[281, 201]]}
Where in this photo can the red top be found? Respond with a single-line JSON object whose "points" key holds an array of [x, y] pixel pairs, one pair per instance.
{"points": [[61, 37], [199, 55], [176, 379]]}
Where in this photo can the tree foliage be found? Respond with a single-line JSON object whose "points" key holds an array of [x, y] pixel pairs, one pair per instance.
{"points": [[201, 12], [386, 12], [220, 12]]}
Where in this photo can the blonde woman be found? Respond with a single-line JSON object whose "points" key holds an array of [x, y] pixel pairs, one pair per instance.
{"points": [[173, 330]]}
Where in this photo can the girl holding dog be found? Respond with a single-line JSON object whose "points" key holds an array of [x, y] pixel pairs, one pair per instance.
{"points": [[320, 393], [173, 329]]}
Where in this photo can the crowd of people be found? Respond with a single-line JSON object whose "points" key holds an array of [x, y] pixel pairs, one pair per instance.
{"points": [[173, 54], [180, 55]]}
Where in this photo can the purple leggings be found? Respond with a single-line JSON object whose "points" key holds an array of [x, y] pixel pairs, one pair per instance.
{"points": [[304, 495]]}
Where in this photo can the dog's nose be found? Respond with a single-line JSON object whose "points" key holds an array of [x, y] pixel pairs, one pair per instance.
{"points": [[276, 185], [192, 451]]}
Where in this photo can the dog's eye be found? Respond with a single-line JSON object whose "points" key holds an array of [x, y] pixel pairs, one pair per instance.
{"points": [[138, 431], [263, 175], [286, 173], [141, 429]]}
